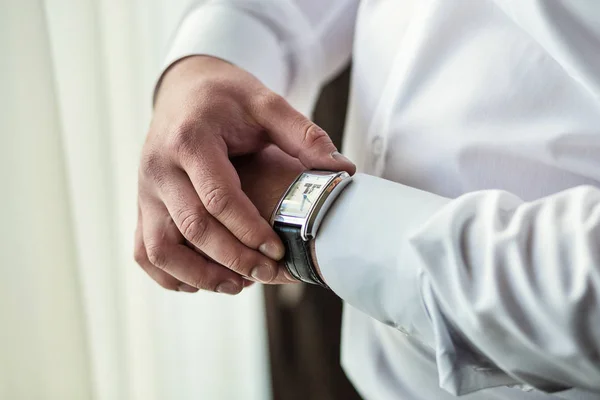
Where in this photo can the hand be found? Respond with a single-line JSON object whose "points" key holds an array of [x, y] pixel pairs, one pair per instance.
{"points": [[196, 227], [265, 177]]}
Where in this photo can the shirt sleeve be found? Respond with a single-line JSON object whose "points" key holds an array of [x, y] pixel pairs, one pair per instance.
{"points": [[292, 46], [502, 291]]}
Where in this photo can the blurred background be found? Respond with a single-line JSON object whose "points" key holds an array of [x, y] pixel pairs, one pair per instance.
{"points": [[78, 318]]}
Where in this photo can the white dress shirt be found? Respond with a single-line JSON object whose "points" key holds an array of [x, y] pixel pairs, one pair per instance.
{"points": [[473, 268]]}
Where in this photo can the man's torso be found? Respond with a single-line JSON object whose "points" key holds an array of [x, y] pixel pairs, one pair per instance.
{"points": [[458, 96]]}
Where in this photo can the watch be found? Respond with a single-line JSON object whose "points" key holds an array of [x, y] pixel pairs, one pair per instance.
{"points": [[299, 213]]}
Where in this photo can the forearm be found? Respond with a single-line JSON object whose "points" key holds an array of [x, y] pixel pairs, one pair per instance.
{"points": [[363, 250], [486, 272]]}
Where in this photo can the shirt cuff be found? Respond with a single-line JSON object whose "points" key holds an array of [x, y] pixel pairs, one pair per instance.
{"points": [[234, 36], [365, 256]]}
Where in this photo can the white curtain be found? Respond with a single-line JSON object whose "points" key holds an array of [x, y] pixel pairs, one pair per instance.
{"points": [[78, 319]]}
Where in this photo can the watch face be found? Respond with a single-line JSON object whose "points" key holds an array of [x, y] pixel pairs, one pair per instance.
{"points": [[303, 195]]}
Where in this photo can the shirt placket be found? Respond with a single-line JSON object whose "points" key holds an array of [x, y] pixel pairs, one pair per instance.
{"points": [[381, 126], [377, 151]]}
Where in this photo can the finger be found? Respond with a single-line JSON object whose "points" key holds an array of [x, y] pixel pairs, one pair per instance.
{"points": [[162, 278], [208, 235], [281, 275], [166, 251], [216, 182], [297, 135]]}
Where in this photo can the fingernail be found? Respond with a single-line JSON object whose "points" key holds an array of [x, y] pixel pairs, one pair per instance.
{"points": [[262, 273], [184, 287], [272, 250], [228, 287], [340, 157]]}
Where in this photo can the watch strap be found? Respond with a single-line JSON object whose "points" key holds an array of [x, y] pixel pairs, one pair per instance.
{"points": [[297, 256]]}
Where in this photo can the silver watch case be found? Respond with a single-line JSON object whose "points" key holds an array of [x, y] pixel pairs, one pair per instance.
{"points": [[328, 193]]}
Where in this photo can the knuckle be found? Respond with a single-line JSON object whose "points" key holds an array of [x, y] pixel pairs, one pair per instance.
{"points": [[139, 254], [157, 255], [314, 136], [194, 226], [253, 234], [199, 282], [169, 284], [235, 262], [217, 199], [183, 139], [270, 101], [153, 166], [249, 235]]}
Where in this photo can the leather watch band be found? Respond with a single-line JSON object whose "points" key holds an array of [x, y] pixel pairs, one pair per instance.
{"points": [[297, 256]]}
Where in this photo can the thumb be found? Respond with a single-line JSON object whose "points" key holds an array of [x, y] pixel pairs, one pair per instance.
{"points": [[298, 136]]}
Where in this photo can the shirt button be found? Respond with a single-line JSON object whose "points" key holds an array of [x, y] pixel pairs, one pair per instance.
{"points": [[377, 146]]}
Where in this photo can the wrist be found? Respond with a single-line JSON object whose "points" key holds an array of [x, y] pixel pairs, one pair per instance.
{"points": [[313, 256], [267, 198], [303, 208], [274, 195], [265, 178]]}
